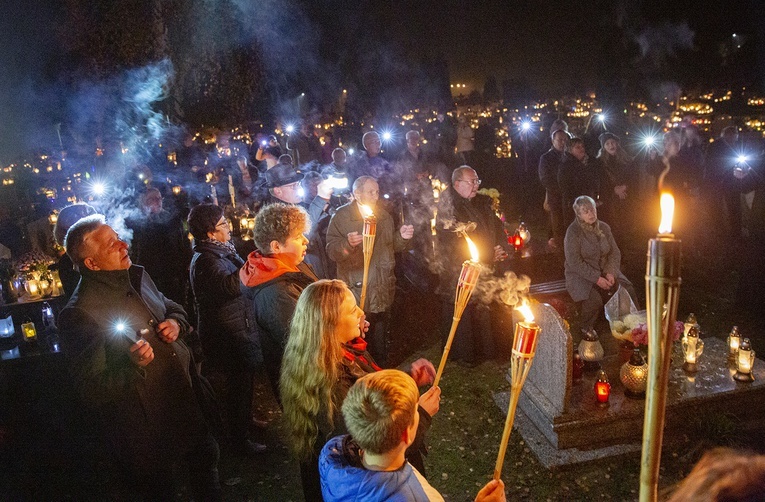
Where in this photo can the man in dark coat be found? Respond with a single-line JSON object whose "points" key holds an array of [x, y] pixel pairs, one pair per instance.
{"points": [[727, 163], [344, 247], [461, 204], [161, 247], [549, 164], [276, 275], [123, 343]]}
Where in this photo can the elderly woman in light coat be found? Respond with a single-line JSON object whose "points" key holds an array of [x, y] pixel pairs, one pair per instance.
{"points": [[593, 262]]}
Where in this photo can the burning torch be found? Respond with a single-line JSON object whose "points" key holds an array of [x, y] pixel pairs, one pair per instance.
{"points": [[466, 284], [662, 280], [524, 348], [370, 230]]}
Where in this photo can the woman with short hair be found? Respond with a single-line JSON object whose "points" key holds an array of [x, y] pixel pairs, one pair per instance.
{"points": [[228, 342], [593, 262]]}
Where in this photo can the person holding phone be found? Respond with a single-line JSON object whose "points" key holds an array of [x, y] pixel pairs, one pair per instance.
{"points": [[146, 389]]}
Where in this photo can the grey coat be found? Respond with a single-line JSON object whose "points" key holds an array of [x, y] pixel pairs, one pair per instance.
{"points": [[589, 257], [350, 260]]}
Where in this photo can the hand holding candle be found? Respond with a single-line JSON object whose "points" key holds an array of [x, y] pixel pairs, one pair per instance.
{"points": [[524, 349]]}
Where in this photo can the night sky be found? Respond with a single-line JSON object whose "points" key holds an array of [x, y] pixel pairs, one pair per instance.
{"points": [[550, 47]]}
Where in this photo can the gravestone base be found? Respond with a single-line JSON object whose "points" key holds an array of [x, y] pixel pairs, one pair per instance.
{"points": [[585, 431], [549, 455]]}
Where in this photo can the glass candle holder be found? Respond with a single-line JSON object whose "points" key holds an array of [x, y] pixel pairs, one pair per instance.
{"points": [[602, 388], [734, 340], [591, 350], [29, 331], [6, 327], [744, 362], [693, 347], [634, 375], [32, 287]]}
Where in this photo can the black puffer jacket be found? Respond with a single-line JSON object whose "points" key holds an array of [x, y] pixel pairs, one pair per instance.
{"points": [[228, 335]]}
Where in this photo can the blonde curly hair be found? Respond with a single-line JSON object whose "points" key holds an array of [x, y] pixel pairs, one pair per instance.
{"points": [[312, 358]]}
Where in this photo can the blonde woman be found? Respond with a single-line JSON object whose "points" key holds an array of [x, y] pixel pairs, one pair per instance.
{"points": [[324, 356]]}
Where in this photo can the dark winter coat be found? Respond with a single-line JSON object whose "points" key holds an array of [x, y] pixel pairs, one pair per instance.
{"points": [[576, 178], [320, 210], [151, 413], [452, 247], [274, 291], [228, 336]]}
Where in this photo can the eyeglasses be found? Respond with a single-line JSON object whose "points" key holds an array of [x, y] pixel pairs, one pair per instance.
{"points": [[223, 223], [475, 182], [292, 186]]}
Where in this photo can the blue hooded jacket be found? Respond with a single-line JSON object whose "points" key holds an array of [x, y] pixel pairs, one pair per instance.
{"points": [[344, 478]]}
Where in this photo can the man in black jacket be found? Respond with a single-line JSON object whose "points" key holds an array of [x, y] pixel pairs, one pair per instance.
{"points": [[123, 343], [549, 164], [461, 204]]}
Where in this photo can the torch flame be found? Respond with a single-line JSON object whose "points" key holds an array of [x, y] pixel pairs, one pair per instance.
{"points": [[366, 211], [667, 211], [473, 249], [525, 310]]}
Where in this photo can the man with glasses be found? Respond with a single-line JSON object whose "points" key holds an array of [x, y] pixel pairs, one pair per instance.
{"points": [[283, 183], [461, 204], [345, 247]]}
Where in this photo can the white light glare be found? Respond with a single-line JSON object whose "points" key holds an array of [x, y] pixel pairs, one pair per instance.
{"points": [[99, 188]]}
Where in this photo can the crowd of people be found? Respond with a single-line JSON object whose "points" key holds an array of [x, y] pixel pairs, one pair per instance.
{"points": [[147, 325]]}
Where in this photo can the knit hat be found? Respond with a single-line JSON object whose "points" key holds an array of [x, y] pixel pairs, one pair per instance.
{"points": [[558, 125], [605, 137]]}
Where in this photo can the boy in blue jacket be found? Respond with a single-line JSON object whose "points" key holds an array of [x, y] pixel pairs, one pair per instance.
{"points": [[380, 412]]}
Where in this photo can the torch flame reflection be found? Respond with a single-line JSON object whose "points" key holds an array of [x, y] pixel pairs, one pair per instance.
{"points": [[667, 211], [473, 249], [525, 310]]}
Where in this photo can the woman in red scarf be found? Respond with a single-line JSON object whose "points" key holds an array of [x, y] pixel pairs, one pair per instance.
{"points": [[324, 356]]}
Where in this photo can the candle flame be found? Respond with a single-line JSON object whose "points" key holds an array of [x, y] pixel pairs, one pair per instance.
{"points": [[525, 310], [667, 211], [366, 211], [473, 249]]}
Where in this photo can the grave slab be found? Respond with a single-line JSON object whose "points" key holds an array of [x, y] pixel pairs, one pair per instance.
{"points": [[563, 424]]}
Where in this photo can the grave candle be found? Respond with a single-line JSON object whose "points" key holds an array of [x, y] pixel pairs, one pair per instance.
{"points": [[734, 339], [602, 388], [29, 331], [744, 362]]}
